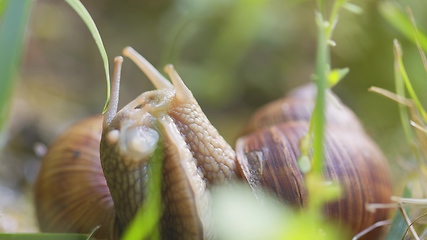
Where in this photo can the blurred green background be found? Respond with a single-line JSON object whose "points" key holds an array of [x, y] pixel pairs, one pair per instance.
{"points": [[234, 55]]}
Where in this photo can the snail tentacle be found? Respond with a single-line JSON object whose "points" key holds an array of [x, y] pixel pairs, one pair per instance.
{"points": [[155, 76], [114, 93], [183, 94]]}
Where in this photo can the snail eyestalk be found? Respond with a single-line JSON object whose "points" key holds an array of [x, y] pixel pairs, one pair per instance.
{"points": [[182, 91], [138, 143], [115, 89], [113, 136], [155, 76]]}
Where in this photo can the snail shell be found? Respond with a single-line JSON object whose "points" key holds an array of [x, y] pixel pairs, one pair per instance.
{"points": [[268, 157], [71, 193], [118, 149], [298, 106]]}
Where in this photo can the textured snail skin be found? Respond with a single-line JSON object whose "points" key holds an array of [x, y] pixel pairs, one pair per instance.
{"points": [[184, 192], [268, 157], [195, 157]]}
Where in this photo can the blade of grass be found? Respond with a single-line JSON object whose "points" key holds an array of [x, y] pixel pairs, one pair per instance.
{"points": [[421, 135], [371, 228], [42, 236], [399, 21], [398, 226], [85, 16], [414, 97], [417, 201], [145, 223], [407, 108], [417, 126], [12, 34], [417, 37], [413, 222], [403, 112], [408, 222], [3, 4], [391, 95], [93, 232]]}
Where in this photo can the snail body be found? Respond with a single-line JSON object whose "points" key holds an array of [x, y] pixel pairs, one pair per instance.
{"points": [[160, 117], [195, 158]]}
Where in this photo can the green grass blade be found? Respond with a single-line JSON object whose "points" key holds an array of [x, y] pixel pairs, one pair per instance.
{"points": [[3, 4], [411, 91], [403, 111], [12, 32], [399, 21], [85, 16], [399, 225], [145, 223], [417, 38], [42, 236]]}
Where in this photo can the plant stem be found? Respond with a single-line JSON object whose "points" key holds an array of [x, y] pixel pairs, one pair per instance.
{"points": [[322, 61]]}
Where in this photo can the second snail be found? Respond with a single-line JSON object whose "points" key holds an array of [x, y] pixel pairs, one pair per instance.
{"points": [[96, 173]]}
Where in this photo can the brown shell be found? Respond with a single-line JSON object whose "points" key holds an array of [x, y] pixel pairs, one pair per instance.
{"points": [[71, 193], [268, 158], [298, 106]]}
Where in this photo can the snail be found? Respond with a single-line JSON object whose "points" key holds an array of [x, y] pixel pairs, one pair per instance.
{"points": [[96, 172]]}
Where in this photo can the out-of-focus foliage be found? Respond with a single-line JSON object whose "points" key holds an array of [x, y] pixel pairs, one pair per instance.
{"points": [[12, 31], [237, 214], [413, 119], [42, 236], [3, 4], [400, 21]]}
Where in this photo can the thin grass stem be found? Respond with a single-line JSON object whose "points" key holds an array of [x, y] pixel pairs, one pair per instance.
{"points": [[418, 201], [391, 95], [408, 221], [398, 55], [371, 228], [416, 37], [412, 223]]}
